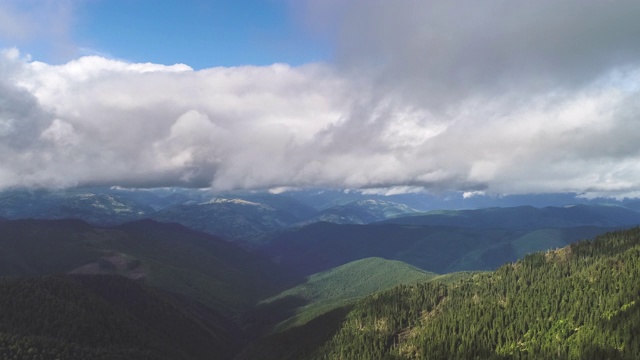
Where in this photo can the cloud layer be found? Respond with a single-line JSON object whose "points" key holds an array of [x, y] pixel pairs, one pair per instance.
{"points": [[501, 99]]}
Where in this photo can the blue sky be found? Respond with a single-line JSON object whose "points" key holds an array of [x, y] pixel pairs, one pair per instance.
{"points": [[488, 97], [198, 33]]}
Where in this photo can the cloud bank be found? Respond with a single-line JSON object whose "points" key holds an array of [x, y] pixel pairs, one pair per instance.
{"points": [[502, 98]]}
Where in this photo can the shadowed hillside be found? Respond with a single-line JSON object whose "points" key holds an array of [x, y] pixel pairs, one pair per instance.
{"points": [[169, 256], [107, 317], [322, 246]]}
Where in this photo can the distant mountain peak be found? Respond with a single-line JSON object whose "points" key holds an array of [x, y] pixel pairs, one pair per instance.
{"points": [[235, 202], [362, 211]]}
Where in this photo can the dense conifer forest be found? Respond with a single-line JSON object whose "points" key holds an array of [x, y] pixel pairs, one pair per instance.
{"points": [[578, 302], [106, 317]]}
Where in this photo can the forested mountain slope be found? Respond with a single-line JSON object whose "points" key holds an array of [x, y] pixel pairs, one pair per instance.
{"points": [[578, 302], [107, 317], [169, 256], [440, 249], [333, 288]]}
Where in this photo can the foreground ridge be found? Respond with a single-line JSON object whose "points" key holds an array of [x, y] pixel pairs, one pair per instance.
{"points": [[578, 302]]}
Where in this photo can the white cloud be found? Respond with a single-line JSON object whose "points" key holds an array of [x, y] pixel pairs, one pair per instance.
{"points": [[424, 95], [61, 134], [470, 194], [148, 124]]}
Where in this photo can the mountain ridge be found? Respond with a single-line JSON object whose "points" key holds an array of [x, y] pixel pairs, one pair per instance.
{"points": [[577, 302], [327, 290], [173, 257], [526, 217], [440, 249]]}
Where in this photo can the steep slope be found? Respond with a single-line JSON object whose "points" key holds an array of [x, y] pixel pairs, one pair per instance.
{"points": [[169, 256], [328, 290], [527, 217], [361, 212], [107, 317], [578, 302], [322, 246]]}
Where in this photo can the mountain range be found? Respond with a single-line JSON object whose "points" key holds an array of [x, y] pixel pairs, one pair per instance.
{"points": [[186, 274], [242, 217]]}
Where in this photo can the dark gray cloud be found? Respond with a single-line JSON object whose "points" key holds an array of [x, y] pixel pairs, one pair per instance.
{"points": [[439, 52], [522, 96]]}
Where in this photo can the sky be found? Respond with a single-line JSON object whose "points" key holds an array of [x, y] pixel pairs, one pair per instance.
{"points": [[493, 97]]}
